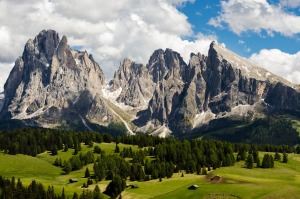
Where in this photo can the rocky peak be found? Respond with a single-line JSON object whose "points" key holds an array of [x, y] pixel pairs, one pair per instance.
{"points": [[43, 45], [53, 85], [133, 83], [128, 70], [51, 77], [166, 64]]}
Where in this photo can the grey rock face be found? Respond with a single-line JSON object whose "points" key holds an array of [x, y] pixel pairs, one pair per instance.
{"points": [[135, 83], [52, 83], [221, 84]]}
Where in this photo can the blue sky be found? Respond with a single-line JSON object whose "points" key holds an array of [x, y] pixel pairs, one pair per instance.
{"points": [[246, 43], [265, 31]]}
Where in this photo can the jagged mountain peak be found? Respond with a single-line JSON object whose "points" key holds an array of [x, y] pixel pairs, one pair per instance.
{"points": [[50, 81], [166, 64], [161, 55], [44, 44], [246, 67], [52, 84]]}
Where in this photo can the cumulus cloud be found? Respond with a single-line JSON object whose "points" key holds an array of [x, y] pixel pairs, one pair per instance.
{"points": [[280, 63], [5, 69], [257, 15], [110, 30]]}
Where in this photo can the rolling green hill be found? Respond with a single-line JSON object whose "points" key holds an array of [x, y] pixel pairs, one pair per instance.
{"points": [[280, 182]]}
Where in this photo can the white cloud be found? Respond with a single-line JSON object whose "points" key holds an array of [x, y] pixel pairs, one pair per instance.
{"points": [[110, 30], [5, 70], [280, 63], [257, 15], [180, 2]]}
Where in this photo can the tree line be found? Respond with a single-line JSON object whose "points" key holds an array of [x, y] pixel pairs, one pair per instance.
{"points": [[10, 189], [34, 141]]}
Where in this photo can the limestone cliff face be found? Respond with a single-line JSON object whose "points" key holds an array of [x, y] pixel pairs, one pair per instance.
{"points": [[135, 84], [222, 84], [52, 84]]}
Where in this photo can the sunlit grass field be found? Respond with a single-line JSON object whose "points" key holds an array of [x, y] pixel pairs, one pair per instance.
{"points": [[283, 181]]}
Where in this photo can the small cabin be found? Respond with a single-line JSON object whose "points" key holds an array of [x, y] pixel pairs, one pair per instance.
{"points": [[216, 178], [133, 186], [72, 180], [194, 187]]}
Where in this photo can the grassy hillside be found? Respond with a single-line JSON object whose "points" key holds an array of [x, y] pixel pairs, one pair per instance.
{"points": [[280, 182], [41, 168]]}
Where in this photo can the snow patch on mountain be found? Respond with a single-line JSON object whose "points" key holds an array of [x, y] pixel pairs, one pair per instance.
{"points": [[112, 96]]}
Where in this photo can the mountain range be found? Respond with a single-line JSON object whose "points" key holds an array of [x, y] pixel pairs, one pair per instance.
{"points": [[52, 85]]}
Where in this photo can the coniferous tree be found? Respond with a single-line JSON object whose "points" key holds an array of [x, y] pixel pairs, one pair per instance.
{"points": [[87, 173], [56, 162], [285, 158], [67, 167], [63, 196], [298, 149], [258, 165], [277, 156], [66, 148], [271, 161], [97, 193], [267, 162], [249, 161], [91, 144], [54, 150], [117, 149], [89, 182], [75, 196], [115, 187], [97, 149]]}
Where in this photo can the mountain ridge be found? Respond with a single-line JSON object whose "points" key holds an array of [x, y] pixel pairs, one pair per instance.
{"points": [[52, 85]]}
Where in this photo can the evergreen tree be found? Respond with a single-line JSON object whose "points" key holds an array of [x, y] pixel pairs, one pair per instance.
{"points": [[285, 158], [87, 173], [277, 156], [67, 167], [75, 151], [54, 150], [117, 149], [91, 144], [97, 193], [56, 162], [85, 185], [63, 196], [115, 187], [298, 149], [267, 162], [249, 161], [272, 161], [75, 196], [66, 148], [89, 182], [258, 162], [97, 149]]}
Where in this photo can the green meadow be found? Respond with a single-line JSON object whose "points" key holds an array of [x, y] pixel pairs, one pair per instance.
{"points": [[283, 181]]}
